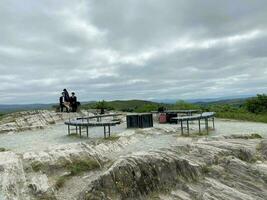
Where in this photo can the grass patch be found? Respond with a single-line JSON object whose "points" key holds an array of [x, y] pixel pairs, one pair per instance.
{"points": [[206, 169], [81, 166], [112, 138], [36, 166], [251, 136], [61, 181], [246, 116], [76, 168]]}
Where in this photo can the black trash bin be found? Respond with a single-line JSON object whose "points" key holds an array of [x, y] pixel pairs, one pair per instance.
{"points": [[144, 120]]}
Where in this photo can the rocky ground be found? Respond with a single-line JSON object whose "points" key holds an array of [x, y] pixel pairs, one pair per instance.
{"points": [[30, 120], [225, 167]]}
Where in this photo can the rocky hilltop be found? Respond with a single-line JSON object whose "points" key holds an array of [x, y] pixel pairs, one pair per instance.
{"points": [[30, 120], [225, 168]]}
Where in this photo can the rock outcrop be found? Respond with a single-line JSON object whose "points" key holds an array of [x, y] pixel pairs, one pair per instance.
{"points": [[211, 169], [215, 168], [29, 120]]}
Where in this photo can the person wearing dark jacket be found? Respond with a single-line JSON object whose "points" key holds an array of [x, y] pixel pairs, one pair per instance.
{"points": [[66, 95], [66, 100], [73, 102], [61, 102]]}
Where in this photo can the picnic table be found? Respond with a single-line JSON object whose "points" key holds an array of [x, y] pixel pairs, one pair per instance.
{"points": [[99, 117], [79, 124], [198, 117]]}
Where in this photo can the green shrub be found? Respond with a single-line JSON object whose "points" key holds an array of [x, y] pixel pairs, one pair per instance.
{"points": [[182, 105], [146, 108], [2, 149], [257, 104]]}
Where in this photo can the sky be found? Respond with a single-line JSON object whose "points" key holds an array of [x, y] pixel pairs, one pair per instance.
{"points": [[131, 49]]}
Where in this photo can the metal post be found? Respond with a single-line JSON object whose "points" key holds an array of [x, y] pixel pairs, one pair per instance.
{"points": [[104, 131], [199, 126], [87, 131], [187, 123], [80, 130], [207, 125], [213, 123], [76, 129], [182, 128], [109, 130], [68, 129]]}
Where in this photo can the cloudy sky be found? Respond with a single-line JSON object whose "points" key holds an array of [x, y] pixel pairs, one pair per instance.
{"points": [[132, 49]]}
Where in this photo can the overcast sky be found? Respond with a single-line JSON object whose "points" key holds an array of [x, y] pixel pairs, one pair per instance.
{"points": [[132, 49]]}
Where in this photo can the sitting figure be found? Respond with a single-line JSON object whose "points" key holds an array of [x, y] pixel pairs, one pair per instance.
{"points": [[61, 102], [73, 102]]}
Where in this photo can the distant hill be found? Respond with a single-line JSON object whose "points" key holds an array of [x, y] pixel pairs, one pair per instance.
{"points": [[126, 105], [6, 108], [232, 102]]}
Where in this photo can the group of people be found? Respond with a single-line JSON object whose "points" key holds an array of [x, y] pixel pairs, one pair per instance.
{"points": [[67, 102]]}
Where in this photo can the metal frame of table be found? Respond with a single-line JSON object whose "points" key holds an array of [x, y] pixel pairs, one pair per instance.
{"points": [[78, 124], [204, 116]]}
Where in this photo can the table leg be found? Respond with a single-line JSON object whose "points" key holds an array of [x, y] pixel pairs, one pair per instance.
{"points": [[187, 123], [104, 131], [182, 128], [199, 127]]}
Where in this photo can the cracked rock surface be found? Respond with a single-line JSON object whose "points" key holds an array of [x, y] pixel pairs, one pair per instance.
{"points": [[127, 167]]}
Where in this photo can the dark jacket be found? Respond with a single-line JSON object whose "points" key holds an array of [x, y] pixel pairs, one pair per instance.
{"points": [[61, 100], [73, 100], [66, 96]]}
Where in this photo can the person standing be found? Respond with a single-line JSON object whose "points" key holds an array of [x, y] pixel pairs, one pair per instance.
{"points": [[73, 102]]}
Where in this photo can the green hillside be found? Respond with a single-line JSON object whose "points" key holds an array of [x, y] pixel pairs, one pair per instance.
{"points": [[233, 102], [127, 105]]}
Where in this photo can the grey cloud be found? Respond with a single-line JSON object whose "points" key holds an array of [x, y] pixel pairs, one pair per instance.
{"points": [[131, 49]]}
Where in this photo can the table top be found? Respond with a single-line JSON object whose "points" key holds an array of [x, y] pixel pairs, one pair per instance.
{"points": [[84, 123], [195, 117]]}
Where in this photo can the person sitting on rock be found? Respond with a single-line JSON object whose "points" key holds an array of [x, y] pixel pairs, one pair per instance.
{"points": [[66, 100], [73, 102], [61, 102]]}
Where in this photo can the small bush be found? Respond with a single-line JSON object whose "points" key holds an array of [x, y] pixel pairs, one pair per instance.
{"points": [[2, 149]]}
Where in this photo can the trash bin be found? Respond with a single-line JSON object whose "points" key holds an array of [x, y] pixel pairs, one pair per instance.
{"points": [[139, 120], [132, 121]]}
